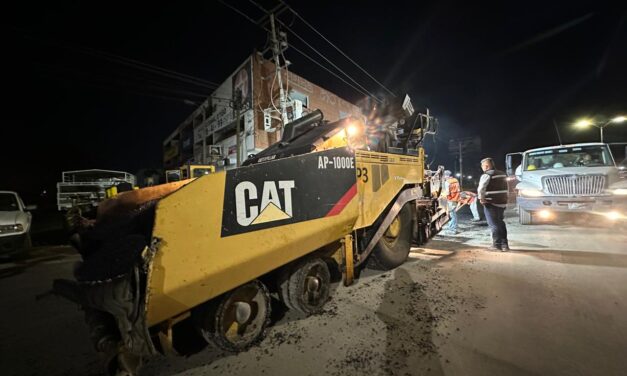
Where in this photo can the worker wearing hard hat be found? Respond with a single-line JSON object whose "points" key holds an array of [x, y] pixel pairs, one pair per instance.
{"points": [[450, 193]]}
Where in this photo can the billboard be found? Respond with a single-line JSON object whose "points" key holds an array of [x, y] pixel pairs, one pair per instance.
{"points": [[243, 80]]}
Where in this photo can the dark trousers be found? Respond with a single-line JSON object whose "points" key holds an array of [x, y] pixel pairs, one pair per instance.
{"points": [[494, 217]]}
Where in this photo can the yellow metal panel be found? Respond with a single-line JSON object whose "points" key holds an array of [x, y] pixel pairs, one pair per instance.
{"points": [[347, 264], [336, 141], [341, 138], [380, 177], [194, 263]]}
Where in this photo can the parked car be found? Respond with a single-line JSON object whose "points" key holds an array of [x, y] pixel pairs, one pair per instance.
{"points": [[15, 223]]}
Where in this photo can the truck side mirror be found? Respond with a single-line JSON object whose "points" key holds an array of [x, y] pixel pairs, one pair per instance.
{"points": [[510, 162], [30, 207], [518, 172]]}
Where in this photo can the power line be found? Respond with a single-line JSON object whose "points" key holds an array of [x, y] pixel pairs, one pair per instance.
{"points": [[126, 61], [333, 73], [107, 85], [363, 90], [240, 13], [100, 81], [139, 82], [326, 59], [166, 85], [336, 47], [151, 68]]}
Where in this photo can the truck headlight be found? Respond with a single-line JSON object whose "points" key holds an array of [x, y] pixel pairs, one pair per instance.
{"points": [[613, 215], [531, 193], [620, 191], [8, 229]]}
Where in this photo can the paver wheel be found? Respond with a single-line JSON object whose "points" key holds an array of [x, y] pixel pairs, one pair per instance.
{"points": [[236, 320], [392, 249], [305, 286], [423, 229]]}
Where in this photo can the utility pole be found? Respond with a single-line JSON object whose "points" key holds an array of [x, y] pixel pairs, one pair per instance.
{"points": [[461, 146], [461, 171], [559, 138], [237, 104], [276, 51]]}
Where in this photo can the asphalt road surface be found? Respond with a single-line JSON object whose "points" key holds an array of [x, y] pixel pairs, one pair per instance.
{"points": [[555, 305]]}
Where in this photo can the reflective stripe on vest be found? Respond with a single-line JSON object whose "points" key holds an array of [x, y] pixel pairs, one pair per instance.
{"points": [[497, 188], [495, 192]]}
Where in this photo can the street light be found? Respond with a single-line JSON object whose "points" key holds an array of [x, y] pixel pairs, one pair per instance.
{"points": [[584, 123]]}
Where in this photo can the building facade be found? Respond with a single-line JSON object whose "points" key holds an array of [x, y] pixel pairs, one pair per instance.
{"points": [[208, 135]]}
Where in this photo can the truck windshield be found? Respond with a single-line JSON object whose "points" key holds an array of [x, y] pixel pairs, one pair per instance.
{"points": [[575, 156], [8, 202]]}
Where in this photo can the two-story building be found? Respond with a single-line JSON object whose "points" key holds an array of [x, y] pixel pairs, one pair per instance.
{"points": [[208, 135]]}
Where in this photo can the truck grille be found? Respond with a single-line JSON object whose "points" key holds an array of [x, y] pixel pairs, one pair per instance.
{"points": [[582, 185]]}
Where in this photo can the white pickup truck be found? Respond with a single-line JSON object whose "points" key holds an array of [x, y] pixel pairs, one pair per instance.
{"points": [[579, 178]]}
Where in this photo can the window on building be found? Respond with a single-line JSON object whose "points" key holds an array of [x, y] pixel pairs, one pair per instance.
{"points": [[209, 107], [296, 95]]}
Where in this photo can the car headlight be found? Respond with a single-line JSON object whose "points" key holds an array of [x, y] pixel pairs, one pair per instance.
{"points": [[620, 191], [8, 229], [531, 193]]}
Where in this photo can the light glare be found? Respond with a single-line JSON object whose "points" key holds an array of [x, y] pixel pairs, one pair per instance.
{"points": [[545, 214], [613, 215], [351, 130], [583, 123]]}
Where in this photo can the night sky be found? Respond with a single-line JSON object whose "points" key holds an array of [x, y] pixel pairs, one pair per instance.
{"points": [[503, 72]]}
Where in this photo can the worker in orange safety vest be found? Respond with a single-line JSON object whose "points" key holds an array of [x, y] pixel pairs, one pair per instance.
{"points": [[451, 193]]}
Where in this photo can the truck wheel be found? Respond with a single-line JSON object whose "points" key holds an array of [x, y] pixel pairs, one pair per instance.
{"points": [[392, 249], [236, 320], [305, 287], [525, 217]]}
